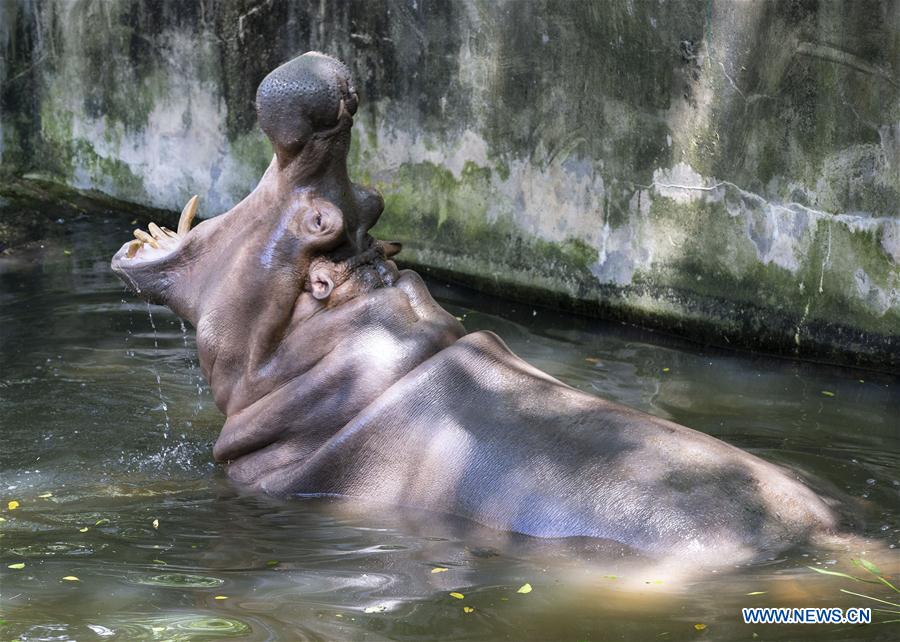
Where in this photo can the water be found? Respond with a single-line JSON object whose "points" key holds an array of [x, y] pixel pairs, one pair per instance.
{"points": [[164, 548]]}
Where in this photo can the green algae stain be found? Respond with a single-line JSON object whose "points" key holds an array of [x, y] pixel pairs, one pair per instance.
{"points": [[433, 212]]}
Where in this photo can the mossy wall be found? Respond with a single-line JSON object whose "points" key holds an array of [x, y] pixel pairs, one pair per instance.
{"points": [[725, 170]]}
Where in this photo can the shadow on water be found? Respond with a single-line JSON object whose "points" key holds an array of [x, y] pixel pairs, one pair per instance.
{"points": [[163, 547]]}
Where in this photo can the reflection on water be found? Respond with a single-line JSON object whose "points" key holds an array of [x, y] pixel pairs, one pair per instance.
{"points": [[107, 430]]}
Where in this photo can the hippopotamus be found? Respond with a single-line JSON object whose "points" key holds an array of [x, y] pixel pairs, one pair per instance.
{"points": [[338, 373]]}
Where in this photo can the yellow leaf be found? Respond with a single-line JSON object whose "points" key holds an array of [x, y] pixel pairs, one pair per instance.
{"points": [[2, 519], [653, 582], [699, 626], [45, 495], [13, 505], [439, 569], [17, 566], [155, 523], [101, 522], [665, 369], [158, 562], [757, 593], [221, 597], [592, 360], [67, 252], [828, 393], [71, 578], [525, 588], [83, 530], [338, 615], [458, 596], [610, 577], [468, 609]]}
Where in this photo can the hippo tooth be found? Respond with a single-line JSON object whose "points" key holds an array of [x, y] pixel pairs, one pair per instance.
{"points": [[141, 235], [170, 232], [133, 248], [187, 216], [341, 110], [156, 231]]}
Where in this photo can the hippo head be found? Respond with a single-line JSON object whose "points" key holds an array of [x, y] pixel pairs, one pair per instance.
{"points": [[287, 289]]}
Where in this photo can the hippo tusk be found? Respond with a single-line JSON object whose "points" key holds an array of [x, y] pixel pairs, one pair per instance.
{"points": [[187, 216], [341, 110], [141, 235]]}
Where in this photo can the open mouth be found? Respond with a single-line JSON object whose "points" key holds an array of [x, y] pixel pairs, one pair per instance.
{"points": [[157, 242]]}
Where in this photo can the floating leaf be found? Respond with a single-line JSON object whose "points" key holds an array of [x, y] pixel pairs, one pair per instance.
{"points": [[375, 609], [886, 583], [592, 360], [155, 523], [12, 505], [699, 626], [468, 609], [158, 562], [610, 577], [45, 495], [665, 369], [458, 596], [869, 597], [757, 593], [67, 252], [828, 393], [525, 588], [221, 597], [866, 564], [71, 578], [824, 571], [653, 582], [101, 522], [17, 566], [83, 530], [272, 563], [439, 569]]}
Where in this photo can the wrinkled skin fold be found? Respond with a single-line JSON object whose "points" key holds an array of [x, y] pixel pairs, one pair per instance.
{"points": [[338, 373]]}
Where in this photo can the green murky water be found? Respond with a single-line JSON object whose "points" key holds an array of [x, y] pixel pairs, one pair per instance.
{"points": [[107, 430]]}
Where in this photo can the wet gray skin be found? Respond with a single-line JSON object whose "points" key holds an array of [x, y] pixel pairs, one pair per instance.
{"points": [[340, 375]]}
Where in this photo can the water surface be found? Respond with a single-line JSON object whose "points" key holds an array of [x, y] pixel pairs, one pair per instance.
{"points": [[107, 430]]}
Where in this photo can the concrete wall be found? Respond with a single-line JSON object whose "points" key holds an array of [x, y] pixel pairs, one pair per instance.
{"points": [[725, 170]]}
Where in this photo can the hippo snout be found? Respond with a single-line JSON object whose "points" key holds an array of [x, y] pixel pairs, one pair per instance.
{"points": [[310, 94]]}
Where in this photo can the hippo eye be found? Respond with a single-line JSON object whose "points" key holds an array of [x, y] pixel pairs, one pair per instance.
{"points": [[318, 220]]}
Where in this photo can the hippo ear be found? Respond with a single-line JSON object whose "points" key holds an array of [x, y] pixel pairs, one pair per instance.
{"points": [[391, 248], [321, 285]]}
